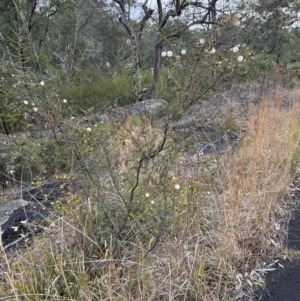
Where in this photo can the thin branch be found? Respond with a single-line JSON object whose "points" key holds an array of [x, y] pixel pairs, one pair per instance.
{"points": [[160, 11], [10, 245], [185, 27], [85, 22], [137, 181], [47, 26], [147, 16]]}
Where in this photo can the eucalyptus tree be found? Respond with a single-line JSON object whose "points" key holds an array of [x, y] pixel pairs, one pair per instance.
{"points": [[194, 13]]}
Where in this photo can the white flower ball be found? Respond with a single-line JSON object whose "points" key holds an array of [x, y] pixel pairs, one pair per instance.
{"points": [[240, 58], [235, 49]]}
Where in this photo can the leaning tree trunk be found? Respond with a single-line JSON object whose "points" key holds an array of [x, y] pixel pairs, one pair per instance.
{"points": [[136, 67], [156, 65]]}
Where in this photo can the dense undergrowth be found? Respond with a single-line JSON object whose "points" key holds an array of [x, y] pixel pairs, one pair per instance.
{"points": [[149, 217], [148, 221], [145, 214]]}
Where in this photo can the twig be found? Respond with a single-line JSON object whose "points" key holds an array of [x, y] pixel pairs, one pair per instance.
{"points": [[23, 237]]}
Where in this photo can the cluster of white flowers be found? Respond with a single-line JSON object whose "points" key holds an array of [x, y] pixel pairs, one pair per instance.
{"points": [[25, 102], [168, 54], [202, 41], [177, 186], [183, 52], [42, 83], [35, 109], [236, 49], [65, 101], [213, 50], [88, 129], [147, 195]]}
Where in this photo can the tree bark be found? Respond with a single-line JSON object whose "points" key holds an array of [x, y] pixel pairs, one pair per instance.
{"points": [[136, 66], [157, 63]]}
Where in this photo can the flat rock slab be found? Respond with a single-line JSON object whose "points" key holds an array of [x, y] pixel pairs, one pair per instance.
{"points": [[7, 208]]}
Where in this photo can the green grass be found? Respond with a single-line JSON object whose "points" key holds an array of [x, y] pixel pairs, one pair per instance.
{"points": [[111, 89]]}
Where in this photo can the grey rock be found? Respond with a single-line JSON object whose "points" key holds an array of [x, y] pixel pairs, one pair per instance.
{"points": [[8, 207], [150, 106]]}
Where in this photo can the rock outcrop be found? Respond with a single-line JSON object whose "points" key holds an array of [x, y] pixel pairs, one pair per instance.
{"points": [[21, 217]]}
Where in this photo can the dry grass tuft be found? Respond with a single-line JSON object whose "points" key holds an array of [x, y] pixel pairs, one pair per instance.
{"points": [[255, 178]]}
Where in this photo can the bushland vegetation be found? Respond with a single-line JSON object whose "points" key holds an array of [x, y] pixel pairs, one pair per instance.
{"points": [[150, 215]]}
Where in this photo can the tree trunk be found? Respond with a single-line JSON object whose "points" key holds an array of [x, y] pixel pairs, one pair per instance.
{"points": [[136, 67], [157, 64]]}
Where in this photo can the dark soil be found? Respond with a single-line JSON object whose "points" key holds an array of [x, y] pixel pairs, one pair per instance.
{"points": [[283, 284]]}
